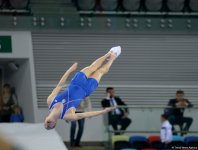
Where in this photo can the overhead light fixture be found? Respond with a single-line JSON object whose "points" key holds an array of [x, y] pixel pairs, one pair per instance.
{"points": [[1, 3], [86, 4], [19, 4], [193, 5], [175, 5], [109, 5], [153, 5], [131, 5], [13, 66]]}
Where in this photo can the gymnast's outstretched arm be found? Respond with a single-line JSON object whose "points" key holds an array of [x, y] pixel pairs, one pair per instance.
{"points": [[62, 81], [79, 116], [65, 76]]}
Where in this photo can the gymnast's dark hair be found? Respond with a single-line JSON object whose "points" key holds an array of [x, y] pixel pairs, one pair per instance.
{"points": [[109, 88]]}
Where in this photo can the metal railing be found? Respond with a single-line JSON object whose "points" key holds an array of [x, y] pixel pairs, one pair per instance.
{"points": [[145, 111], [141, 13]]}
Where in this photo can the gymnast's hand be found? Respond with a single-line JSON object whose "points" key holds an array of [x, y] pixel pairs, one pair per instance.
{"points": [[73, 67], [109, 109]]}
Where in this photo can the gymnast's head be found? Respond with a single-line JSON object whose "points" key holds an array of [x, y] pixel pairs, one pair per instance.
{"points": [[50, 123]]}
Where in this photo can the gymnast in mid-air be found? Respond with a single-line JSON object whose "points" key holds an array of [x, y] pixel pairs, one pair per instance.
{"points": [[63, 105]]}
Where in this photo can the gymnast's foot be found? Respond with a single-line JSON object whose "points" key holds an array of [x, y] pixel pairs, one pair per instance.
{"points": [[113, 56], [116, 50]]}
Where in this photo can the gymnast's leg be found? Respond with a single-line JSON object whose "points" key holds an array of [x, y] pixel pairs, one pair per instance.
{"points": [[95, 65], [96, 70], [99, 62], [98, 74]]}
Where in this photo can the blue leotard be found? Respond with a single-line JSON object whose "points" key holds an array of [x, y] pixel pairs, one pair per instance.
{"points": [[79, 88]]}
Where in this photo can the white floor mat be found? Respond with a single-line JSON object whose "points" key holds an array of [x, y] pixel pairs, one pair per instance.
{"points": [[31, 136]]}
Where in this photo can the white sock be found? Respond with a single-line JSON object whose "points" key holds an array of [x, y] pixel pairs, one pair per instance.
{"points": [[116, 50]]}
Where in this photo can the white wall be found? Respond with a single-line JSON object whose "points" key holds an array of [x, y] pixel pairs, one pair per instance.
{"points": [[24, 79], [21, 44]]}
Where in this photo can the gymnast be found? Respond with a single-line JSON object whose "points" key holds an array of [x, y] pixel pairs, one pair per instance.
{"points": [[62, 105]]}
